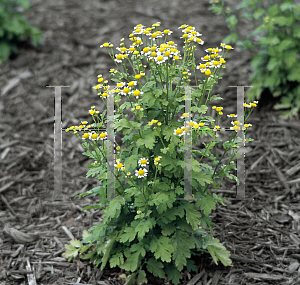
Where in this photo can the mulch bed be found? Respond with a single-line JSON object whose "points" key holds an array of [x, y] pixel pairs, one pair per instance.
{"points": [[262, 232]]}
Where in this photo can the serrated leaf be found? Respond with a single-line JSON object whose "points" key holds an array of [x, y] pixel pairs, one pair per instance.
{"points": [[206, 203], [75, 242], [173, 274], [192, 215], [170, 214], [143, 227], [113, 210], [149, 143], [131, 263], [142, 277], [218, 252], [202, 177], [168, 229], [116, 260], [70, 252], [155, 267], [190, 266], [161, 248], [182, 243], [128, 235], [86, 234]]}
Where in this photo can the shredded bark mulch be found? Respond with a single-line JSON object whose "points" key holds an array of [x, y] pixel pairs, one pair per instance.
{"points": [[262, 232]]}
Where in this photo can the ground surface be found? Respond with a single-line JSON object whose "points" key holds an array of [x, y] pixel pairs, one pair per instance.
{"points": [[262, 235]]}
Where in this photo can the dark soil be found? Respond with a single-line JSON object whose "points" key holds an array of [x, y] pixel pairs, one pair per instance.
{"points": [[263, 235]]}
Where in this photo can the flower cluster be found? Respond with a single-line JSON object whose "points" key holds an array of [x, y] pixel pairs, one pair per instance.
{"points": [[156, 54]]}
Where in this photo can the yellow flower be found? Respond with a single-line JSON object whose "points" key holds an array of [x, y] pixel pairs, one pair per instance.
{"points": [[218, 109], [207, 72], [136, 93]]}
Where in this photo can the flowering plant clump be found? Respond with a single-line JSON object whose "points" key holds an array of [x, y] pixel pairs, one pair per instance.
{"points": [[149, 227], [276, 48]]}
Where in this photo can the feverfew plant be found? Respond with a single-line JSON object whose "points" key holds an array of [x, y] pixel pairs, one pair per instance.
{"points": [[276, 48], [149, 228]]}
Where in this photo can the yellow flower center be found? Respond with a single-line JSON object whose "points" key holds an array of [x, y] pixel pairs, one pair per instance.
{"points": [[208, 72]]}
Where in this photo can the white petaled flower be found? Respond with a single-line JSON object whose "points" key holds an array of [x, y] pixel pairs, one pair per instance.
{"points": [[137, 41], [121, 84], [89, 137], [94, 137], [141, 173], [119, 58], [103, 136], [168, 32], [132, 83], [138, 31], [120, 166], [190, 124], [217, 50], [179, 132], [143, 162], [126, 91], [160, 59], [232, 116], [205, 58]]}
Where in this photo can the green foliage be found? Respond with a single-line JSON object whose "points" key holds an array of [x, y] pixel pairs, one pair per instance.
{"points": [[15, 28], [149, 226], [275, 43]]}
